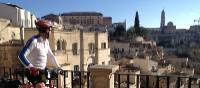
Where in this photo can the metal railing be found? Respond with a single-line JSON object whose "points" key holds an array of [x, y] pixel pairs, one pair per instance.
{"points": [[81, 79], [155, 81], [78, 79]]}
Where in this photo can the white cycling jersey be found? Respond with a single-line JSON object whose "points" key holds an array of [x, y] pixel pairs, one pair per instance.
{"points": [[35, 53]]}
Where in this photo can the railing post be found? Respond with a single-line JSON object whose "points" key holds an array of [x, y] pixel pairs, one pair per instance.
{"points": [[168, 82], [128, 81], [119, 80], [178, 82], [80, 78], [189, 82], [72, 79], [103, 75], [16, 74], [57, 81], [157, 81], [88, 79], [23, 77], [64, 79], [147, 81], [10, 73], [4, 71], [137, 80]]}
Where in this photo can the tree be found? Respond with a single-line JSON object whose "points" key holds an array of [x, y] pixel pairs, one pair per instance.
{"points": [[136, 30], [144, 32], [119, 31], [137, 22], [130, 32], [137, 25]]}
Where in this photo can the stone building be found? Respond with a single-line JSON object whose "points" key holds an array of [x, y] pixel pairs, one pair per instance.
{"points": [[107, 20], [138, 47], [51, 17], [81, 18], [17, 15]]}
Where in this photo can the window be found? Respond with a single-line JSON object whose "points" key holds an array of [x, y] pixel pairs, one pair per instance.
{"points": [[91, 48], [75, 48], [103, 63], [76, 69], [103, 45], [58, 45]]}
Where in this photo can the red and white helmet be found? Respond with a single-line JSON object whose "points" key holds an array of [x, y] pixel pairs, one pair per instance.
{"points": [[43, 25]]}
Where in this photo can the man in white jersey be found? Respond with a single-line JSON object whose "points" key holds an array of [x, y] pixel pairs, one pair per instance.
{"points": [[36, 51]]}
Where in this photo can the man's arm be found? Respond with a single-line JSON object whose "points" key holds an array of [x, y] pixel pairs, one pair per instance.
{"points": [[26, 51]]}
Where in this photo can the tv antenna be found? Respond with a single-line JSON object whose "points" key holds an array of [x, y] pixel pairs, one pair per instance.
{"points": [[197, 20]]}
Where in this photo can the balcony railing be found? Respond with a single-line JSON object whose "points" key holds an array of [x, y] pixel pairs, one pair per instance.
{"points": [[155, 81], [82, 79], [77, 79]]}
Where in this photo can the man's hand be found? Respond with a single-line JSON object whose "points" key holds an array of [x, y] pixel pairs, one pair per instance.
{"points": [[33, 71], [60, 71]]}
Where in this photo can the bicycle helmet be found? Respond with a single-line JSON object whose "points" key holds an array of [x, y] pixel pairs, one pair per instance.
{"points": [[43, 25]]}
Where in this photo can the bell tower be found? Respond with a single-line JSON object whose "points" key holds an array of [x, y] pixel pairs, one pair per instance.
{"points": [[162, 22]]}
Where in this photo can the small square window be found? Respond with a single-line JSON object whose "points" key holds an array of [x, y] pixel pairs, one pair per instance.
{"points": [[103, 45]]}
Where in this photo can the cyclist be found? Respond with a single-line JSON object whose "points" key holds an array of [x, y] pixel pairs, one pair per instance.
{"points": [[35, 53]]}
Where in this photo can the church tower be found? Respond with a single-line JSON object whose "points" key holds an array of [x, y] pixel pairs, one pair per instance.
{"points": [[162, 23]]}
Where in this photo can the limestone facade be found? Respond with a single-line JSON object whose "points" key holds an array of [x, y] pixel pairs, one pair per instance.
{"points": [[8, 32]]}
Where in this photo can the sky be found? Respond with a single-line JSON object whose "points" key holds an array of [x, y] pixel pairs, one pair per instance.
{"points": [[181, 12]]}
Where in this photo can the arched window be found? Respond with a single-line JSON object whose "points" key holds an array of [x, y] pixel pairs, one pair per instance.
{"points": [[59, 45]]}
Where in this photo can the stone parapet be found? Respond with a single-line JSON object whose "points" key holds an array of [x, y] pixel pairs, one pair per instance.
{"points": [[102, 76]]}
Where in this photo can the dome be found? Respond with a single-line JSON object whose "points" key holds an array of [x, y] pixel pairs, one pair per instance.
{"points": [[139, 39], [170, 23]]}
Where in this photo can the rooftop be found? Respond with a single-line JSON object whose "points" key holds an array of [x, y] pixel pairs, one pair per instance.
{"points": [[82, 14], [12, 5]]}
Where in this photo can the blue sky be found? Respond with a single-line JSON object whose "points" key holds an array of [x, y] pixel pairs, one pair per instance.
{"points": [[181, 12]]}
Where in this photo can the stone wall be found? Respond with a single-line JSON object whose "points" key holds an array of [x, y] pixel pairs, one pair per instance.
{"points": [[8, 32]]}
